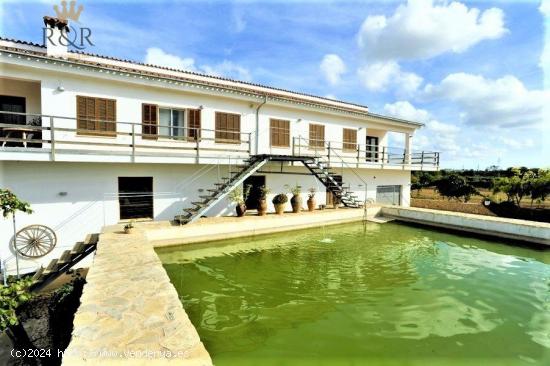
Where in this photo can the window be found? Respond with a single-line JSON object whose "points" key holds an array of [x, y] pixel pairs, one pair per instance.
{"points": [[228, 127], [194, 124], [149, 120], [349, 139], [316, 136], [280, 132], [95, 116], [171, 123]]}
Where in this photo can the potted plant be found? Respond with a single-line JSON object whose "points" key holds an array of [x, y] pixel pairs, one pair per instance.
{"points": [[262, 200], [296, 200], [239, 196], [311, 199], [279, 203], [129, 227]]}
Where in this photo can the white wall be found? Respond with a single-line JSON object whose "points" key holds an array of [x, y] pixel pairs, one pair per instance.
{"points": [[131, 93], [89, 199]]}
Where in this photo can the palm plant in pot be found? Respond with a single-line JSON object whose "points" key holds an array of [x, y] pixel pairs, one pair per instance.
{"points": [[279, 202], [262, 200], [239, 196], [296, 200], [311, 199]]}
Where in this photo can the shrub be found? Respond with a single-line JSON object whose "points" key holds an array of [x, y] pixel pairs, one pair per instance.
{"points": [[279, 199], [296, 190], [455, 186], [312, 191]]}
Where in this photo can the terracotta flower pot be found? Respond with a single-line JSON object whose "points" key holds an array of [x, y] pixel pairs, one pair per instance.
{"points": [[241, 209], [311, 204], [296, 202], [280, 208], [262, 207]]}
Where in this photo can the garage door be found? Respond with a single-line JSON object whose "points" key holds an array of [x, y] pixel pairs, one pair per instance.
{"points": [[388, 195]]}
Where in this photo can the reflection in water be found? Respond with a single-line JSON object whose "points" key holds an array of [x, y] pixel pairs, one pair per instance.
{"points": [[384, 294]]}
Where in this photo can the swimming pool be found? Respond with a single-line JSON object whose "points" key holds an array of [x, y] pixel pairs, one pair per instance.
{"points": [[356, 294]]}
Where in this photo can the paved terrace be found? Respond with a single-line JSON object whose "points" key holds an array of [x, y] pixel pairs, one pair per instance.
{"points": [[131, 314]]}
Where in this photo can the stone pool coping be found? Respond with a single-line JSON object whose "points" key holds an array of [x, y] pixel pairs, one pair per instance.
{"points": [[130, 312], [501, 227]]}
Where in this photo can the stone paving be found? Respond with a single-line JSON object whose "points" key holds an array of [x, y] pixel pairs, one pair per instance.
{"points": [[130, 313]]}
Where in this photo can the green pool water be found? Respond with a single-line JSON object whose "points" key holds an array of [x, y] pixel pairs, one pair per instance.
{"points": [[372, 294]]}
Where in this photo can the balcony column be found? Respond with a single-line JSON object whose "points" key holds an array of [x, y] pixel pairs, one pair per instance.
{"points": [[408, 147]]}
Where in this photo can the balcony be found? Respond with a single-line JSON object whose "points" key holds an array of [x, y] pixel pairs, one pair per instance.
{"points": [[36, 137]]}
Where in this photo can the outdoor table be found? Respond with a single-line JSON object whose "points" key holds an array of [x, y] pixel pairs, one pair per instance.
{"points": [[24, 133]]}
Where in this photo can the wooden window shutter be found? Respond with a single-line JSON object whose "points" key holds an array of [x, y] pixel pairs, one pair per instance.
{"points": [[149, 120], [95, 116], [280, 133], [228, 127], [194, 124], [349, 139], [81, 114], [316, 135]]}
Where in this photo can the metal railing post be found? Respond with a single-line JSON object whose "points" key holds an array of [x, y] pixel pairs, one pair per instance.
{"points": [[328, 152], [358, 154], [250, 143], [422, 159], [52, 138], [384, 156], [197, 145], [133, 143]]}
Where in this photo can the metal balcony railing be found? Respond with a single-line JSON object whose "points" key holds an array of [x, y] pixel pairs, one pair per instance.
{"points": [[55, 134]]}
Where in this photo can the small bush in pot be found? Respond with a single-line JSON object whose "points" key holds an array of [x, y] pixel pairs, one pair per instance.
{"points": [[311, 199], [262, 201], [239, 196], [129, 227], [279, 202], [296, 200]]}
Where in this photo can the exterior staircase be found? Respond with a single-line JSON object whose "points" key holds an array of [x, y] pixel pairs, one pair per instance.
{"points": [[320, 168], [222, 189], [56, 267], [317, 166]]}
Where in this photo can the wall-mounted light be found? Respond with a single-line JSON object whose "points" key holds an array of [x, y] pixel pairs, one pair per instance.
{"points": [[201, 107], [60, 88], [62, 194]]}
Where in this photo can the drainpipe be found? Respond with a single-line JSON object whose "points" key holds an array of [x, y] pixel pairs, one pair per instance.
{"points": [[258, 122]]}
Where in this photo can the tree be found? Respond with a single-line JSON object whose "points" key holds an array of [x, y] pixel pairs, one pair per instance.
{"points": [[10, 204], [516, 186], [455, 186], [12, 297], [540, 186]]}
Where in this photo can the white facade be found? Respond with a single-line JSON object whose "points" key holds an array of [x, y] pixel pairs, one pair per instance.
{"points": [[71, 180]]}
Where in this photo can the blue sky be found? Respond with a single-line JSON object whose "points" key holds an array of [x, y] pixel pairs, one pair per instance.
{"points": [[473, 72]]}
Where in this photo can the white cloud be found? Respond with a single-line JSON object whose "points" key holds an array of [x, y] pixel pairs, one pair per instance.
{"points": [[228, 69], [516, 143], [545, 7], [332, 68], [156, 56], [435, 136], [421, 30], [380, 76], [501, 102]]}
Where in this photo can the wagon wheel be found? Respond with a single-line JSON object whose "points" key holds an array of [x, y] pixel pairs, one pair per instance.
{"points": [[35, 241]]}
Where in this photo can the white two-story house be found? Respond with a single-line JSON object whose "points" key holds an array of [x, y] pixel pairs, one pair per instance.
{"points": [[90, 140]]}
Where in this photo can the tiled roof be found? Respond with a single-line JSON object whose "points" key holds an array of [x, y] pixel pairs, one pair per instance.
{"points": [[188, 76]]}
